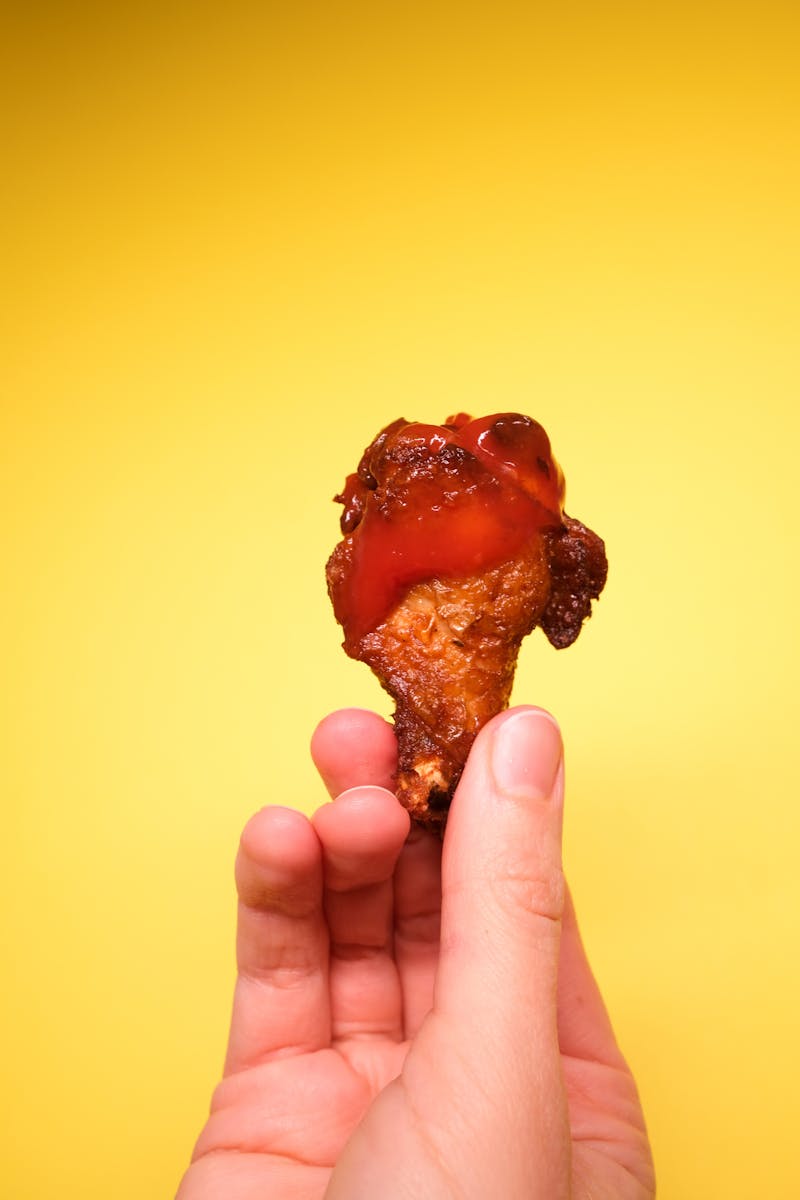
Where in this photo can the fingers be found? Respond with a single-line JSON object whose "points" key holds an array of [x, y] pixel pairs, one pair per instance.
{"points": [[503, 888], [362, 833], [281, 999], [353, 747]]}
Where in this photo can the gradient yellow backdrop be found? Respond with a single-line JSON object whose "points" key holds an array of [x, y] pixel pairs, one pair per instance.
{"points": [[239, 239]]}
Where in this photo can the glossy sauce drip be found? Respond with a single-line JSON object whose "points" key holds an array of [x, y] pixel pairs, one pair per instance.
{"points": [[437, 522]]}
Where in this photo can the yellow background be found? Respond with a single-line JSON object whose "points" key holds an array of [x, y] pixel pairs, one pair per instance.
{"points": [[240, 240]]}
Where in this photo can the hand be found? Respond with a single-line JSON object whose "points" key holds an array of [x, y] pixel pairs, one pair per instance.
{"points": [[417, 1021]]}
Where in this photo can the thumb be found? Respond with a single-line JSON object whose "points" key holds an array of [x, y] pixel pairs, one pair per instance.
{"points": [[480, 1108], [503, 888]]}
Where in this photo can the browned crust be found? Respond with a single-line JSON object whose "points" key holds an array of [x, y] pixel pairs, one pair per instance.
{"points": [[448, 650], [578, 573]]}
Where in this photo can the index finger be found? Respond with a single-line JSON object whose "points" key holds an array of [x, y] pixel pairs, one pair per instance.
{"points": [[354, 748]]}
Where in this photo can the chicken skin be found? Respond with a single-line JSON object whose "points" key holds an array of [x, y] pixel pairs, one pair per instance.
{"points": [[455, 547]]}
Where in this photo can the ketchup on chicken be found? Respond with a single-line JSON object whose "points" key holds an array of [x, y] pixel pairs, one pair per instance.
{"points": [[455, 547], [478, 491]]}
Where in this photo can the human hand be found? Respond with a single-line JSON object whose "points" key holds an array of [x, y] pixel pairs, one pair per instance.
{"points": [[412, 1020]]}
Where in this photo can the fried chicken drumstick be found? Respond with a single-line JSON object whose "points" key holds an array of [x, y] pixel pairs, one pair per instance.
{"points": [[455, 547]]}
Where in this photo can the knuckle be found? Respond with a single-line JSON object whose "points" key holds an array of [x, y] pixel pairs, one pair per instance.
{"points": [[521, 890]]}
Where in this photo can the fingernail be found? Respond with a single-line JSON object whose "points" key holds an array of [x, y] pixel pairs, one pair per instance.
{"points": [[526, 752]]}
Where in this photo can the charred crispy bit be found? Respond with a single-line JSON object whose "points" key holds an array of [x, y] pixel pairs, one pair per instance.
{"points": [[578, 570], [455, 547]]}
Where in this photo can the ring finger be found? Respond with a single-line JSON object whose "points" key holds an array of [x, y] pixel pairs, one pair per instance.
{"points": [[362, 833]]}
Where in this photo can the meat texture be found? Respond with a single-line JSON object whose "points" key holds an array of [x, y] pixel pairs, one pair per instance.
{"points": [[455, 547]]}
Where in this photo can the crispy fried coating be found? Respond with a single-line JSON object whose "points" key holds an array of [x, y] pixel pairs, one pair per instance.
{"points": [[447, 647]]}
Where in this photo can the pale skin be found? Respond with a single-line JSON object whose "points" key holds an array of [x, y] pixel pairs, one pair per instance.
{"points": [[415, 1019]]}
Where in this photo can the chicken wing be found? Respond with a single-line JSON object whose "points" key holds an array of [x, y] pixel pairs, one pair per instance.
{"points": [[455, 547]]}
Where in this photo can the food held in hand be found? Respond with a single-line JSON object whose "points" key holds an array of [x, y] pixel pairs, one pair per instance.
{"points": [[455, 547]]}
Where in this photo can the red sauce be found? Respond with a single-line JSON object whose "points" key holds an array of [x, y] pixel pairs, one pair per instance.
{"points": [[445, 515]]}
